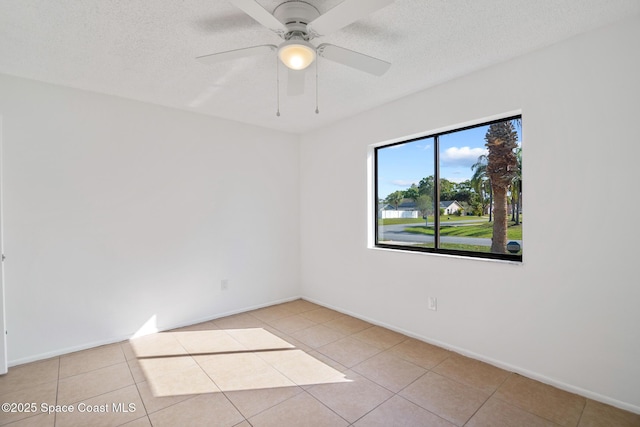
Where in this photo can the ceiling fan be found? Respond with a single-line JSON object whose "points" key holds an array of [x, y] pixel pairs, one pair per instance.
{"points": [[298, 22]]}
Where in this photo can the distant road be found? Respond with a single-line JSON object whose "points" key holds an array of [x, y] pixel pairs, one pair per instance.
{"points": [[396, 233]]}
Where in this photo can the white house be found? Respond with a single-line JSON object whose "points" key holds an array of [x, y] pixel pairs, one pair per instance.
{"points": [[450, 207], [406, 209]]}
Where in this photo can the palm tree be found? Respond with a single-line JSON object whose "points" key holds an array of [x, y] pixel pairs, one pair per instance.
{"points": [[517, 190], [502, 165], [395, 198], [481, 183], [518, 150]]}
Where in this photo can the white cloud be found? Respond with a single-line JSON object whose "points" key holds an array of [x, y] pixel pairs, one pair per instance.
{"points": [[463, 156], [424, 147], [403, 182]]}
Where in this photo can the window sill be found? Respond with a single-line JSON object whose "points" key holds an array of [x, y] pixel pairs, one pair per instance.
{"points": [[466, 258]]}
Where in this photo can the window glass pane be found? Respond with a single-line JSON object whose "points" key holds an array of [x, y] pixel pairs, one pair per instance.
{"points": [[405, 194], [475, 203]]}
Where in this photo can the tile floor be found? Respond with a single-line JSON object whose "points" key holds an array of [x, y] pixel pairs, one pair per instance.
{"points": [[293, 364]]}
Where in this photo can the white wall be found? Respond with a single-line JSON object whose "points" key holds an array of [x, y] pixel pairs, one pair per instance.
{"points": [[570, 314], [116, 211]]}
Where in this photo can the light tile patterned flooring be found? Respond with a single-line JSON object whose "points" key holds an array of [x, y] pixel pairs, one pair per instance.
{"points": [[293, 364]]}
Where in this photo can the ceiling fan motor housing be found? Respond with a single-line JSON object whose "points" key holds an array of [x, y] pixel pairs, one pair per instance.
{"points": [[295, 15]]}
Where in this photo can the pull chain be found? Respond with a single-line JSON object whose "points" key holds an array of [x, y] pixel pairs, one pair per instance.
{"points": [[278, 86], [317, 109]]}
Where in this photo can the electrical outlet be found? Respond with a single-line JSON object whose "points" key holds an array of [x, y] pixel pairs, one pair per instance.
{"points": [[224, 284], [433, 303]]}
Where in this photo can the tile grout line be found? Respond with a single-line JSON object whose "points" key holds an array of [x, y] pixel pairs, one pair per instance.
{"points": [[511, 374], [219, 388], [230, 401], [268, 408], [582, 412], [487, 399], [316, 349], [428, 370], [374, 408], [102, 394], [119, 343], [146, 414], [379, 353], [326, 406], [303, 390], [136, 384], [347, 335], [55, 414], [524, 410]]}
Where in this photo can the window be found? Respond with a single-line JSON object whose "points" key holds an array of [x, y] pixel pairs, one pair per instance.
{"points": [[474, 210]]}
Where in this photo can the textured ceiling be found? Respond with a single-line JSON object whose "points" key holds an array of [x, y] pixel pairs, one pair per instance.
{"points": [[145, 50]]}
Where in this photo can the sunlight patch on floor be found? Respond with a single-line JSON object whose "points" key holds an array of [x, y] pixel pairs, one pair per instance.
{"points": [[208, 361]]}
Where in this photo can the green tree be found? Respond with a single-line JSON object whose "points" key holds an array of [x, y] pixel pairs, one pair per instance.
{"points": [[516, 189], [463, 192], [412, 193], [501, 141], [447, 189], [425, 206], [395, 198], [425, 186], [482, 185], [517, 182]]}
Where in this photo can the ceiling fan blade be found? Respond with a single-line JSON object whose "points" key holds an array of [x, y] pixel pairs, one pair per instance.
{"points": [[352, 59], [295, 82], [237, 54], [259, 13], [344, 14]]}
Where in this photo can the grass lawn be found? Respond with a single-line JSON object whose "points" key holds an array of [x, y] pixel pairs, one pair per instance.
{"points": [[482, 230], [458, 246]]}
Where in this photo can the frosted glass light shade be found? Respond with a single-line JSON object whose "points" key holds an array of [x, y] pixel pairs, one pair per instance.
{"points": [[297, 54]]}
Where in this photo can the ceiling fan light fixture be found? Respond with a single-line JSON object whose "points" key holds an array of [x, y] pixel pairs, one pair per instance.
{"points": [[297, 54]]}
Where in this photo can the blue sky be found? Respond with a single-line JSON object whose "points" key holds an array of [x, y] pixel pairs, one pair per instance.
{"points": [[401, 165]]}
